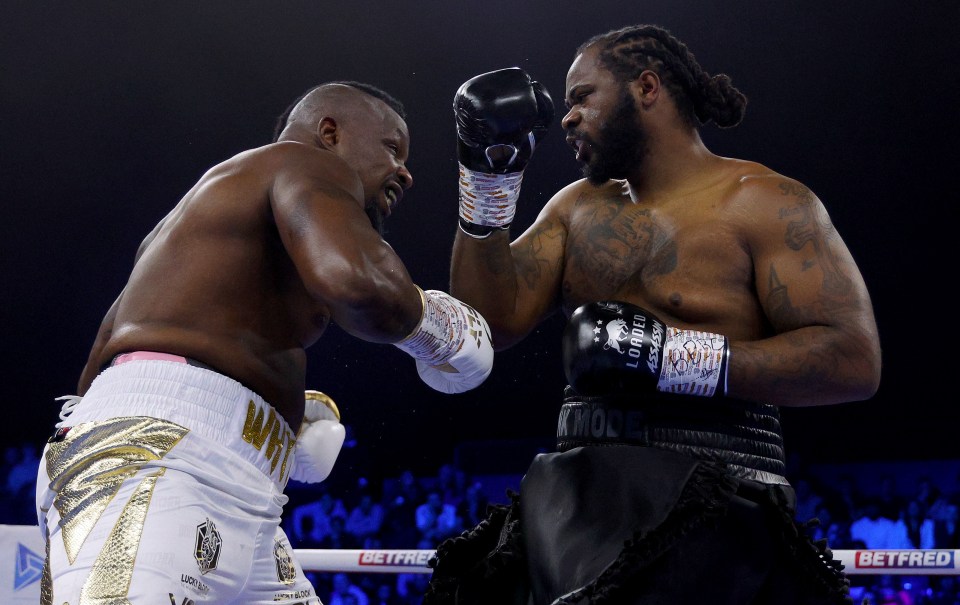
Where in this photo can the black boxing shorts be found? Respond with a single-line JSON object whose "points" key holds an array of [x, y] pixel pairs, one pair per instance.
{"points": [[629, 525]]}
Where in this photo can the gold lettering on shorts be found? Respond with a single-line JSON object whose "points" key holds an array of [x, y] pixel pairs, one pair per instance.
{"points": [[275, 445], [258, 427], [283, 467], [254, 430]]}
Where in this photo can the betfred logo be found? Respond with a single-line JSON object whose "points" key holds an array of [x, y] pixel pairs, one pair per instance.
{"points": [[405, 558], [904, 559]]}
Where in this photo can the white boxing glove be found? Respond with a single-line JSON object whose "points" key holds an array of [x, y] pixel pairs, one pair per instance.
{"points": [[320, 439], [451, 344]]}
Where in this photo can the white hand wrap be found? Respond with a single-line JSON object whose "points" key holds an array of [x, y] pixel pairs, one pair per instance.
{"points": [[489, 200], [693, 362], [451, 344], [320, 439]]}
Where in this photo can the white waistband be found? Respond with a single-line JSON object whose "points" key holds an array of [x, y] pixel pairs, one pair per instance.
{"points": [[207, 403]]}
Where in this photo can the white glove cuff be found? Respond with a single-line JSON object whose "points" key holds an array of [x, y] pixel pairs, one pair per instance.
{"points": [[319, 406], [489, 200], [319, 441]]}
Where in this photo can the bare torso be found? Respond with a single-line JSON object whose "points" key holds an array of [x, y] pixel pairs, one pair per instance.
{"points": [[714, 256], [713, 244], [682, 257], [737, 250], [215, 284]]}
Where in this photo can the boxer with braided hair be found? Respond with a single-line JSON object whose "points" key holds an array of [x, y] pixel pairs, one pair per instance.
{"points": [[702, 293], [700, 97]]}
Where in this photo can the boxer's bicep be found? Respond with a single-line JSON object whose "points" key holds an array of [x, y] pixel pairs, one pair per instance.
{"points": [[820, 345], [805, 273], [343, 262], [813, 293]]}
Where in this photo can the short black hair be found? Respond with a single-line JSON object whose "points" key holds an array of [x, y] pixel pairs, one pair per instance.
{"points": [[369, 89]]}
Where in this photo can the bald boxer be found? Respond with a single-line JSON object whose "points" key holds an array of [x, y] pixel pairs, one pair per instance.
{"points": [[702, 294], [164, 480]]}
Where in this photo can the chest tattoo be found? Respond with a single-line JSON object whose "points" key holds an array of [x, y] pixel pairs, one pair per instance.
{"points": [[618, 245]]}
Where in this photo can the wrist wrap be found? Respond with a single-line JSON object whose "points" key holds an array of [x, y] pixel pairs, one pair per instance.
{"points": [[440, 332], [694, 363], [487, 201]]}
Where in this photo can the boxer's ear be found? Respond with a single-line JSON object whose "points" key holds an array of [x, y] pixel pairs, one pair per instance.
{"points": [[328, 133], [646, 88]]}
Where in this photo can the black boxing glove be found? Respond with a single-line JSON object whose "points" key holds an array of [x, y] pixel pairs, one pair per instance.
{"points": [[501, 117], [615, 347]]}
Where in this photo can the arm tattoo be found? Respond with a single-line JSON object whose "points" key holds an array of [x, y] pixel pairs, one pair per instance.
{"points": [[810, 225], [499, 262], [532, 263], [778, 300]]}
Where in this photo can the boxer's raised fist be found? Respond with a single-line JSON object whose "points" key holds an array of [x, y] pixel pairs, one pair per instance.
{"points": [[501, 117], [615, 347]]}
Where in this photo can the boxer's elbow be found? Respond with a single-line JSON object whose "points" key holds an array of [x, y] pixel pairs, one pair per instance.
{"points": [[374, 319], [870, 374], [857, 388], [861, 381], [504, 332]]}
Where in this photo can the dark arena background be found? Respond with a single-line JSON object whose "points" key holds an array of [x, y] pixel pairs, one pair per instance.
{"points": [[110, 111]]}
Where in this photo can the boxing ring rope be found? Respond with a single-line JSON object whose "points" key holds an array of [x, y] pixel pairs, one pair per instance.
{"points": [[22, 546], [22, 559], [912, 562]]}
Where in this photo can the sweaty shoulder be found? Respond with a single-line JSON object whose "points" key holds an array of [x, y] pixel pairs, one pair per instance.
{"points": [[761, 205], [752, 183], [292, 163], [583, 191]]}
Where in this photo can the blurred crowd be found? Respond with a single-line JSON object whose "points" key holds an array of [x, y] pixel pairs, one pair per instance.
{"points": [[403, 512], [411, 511], [895, 512]]}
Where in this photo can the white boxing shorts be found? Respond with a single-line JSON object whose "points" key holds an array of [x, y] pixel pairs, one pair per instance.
{"points": [[164, 486]]}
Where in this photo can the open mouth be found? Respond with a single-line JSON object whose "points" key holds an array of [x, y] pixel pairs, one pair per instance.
{"points": [[392, 194], [578, 146]]}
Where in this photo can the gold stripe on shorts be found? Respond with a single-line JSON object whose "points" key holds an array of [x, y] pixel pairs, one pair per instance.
{"points": [[87, 468], [109, 579]]}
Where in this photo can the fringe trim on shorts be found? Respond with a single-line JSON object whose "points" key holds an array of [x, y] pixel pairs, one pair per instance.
{"points": [[485, 564], [812, 557]]}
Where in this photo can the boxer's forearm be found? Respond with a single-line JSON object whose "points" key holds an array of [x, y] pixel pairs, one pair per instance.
{"points": [[814, 365], [501, 117], [483, 274], [381, 310]]}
